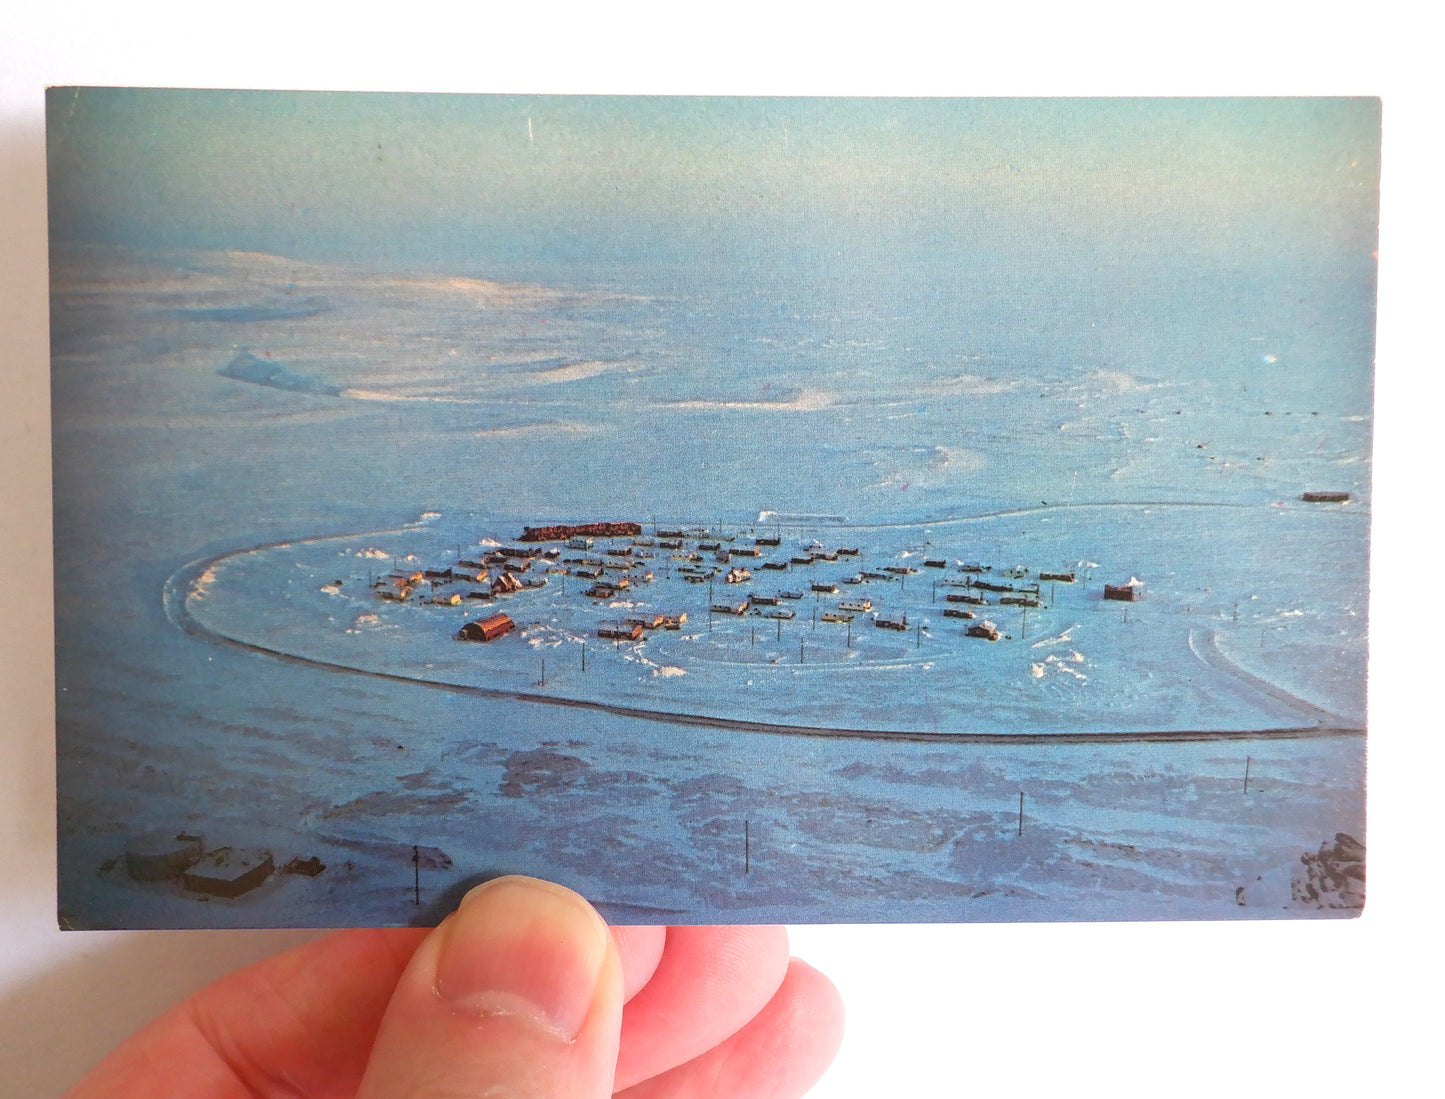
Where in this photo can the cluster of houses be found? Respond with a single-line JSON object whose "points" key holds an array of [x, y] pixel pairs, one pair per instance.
{"points": [[699, 556]]}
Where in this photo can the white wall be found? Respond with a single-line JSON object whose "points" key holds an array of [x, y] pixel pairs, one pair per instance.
{"points": [[1243, 1009]]}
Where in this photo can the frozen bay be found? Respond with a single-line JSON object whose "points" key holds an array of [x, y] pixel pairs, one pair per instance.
{"points": [[491, 403]]}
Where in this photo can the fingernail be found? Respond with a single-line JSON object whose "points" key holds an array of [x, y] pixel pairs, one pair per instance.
{"points": [[523, 948]]}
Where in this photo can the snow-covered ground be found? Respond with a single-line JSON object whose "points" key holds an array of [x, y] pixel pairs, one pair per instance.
{"points": [[208, 403], [1077, 664]]}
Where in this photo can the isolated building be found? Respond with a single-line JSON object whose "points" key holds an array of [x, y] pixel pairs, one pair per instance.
{"points": [[228, 871]]}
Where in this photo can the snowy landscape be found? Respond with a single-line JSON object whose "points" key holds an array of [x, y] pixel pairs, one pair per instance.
{"points": [[260, 459]]}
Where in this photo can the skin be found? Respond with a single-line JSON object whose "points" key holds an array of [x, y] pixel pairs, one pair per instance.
{"points": [[523, 992]]}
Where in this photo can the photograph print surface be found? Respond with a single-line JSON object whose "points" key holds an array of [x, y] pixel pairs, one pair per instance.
{"points": [[736, 509]]}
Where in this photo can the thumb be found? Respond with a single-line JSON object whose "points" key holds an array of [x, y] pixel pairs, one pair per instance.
{"points": [[517, 993]]}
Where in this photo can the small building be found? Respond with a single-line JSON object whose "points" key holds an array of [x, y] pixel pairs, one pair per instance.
{"points": [[449, 599], [487, 629], [790, 595], [669, 543], [985, 629], [989, 586], [535, 582], [1125, 593], [974, 566], [1020, 601], [899, 624], [824, 555], [935, 563], [767, 540], [581, 542], [731, 608], [648, 621], [858, 606], [747, 551], [674, 621], [778, 566], [738, 575], [160, 856], [836, 616], [506, 584], [600, 591], [847, 551], [763, 600], [782, 613], [674, 534], [957, 612], [801, 560], [1060, 577], [960, 597], [228, 871], [620, 551], [587, 572], [826, 588], [620, 631], [900, 570], [1325, 497]]}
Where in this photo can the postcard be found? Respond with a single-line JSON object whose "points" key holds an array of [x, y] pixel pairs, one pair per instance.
{"points": [[736, 509]]}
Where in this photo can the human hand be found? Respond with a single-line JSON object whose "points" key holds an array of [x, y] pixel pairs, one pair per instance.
{"points": [[519, 993]]}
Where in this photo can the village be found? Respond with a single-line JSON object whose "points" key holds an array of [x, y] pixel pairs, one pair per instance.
{"points": [[720, 576]]}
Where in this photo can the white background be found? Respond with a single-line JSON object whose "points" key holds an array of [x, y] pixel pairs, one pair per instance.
{"points": [[1181, 1009]]}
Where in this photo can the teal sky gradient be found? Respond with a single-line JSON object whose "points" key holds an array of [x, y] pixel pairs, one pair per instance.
{"points": [[467, 182]]}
